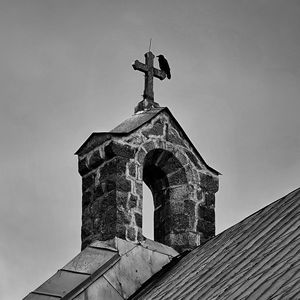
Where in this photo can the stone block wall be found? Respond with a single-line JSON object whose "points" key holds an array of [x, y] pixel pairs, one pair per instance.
{"points": [[183, 187]]}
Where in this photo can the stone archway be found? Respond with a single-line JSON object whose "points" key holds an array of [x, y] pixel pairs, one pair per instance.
{"points": [[166, 177]]}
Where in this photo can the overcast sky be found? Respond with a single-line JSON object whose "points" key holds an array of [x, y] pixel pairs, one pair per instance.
{"points": [[65, 72]]}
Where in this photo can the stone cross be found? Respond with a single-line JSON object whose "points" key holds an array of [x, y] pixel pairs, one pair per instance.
{"points": [[150, 72]]}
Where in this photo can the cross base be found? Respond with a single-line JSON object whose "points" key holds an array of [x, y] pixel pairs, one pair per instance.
{"points": [[145, 105]]}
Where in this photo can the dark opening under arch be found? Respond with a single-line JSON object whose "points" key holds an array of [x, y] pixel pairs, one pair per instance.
{"points": [[166, 178]]}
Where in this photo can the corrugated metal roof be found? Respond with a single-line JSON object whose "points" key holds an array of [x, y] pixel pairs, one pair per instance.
{"points": [[258, 258]]}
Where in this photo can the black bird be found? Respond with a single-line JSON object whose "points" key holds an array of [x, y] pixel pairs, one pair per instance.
{"points": [[163, 65]]}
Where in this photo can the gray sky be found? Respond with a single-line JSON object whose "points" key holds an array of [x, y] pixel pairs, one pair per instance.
{"points": [[65, 71]]}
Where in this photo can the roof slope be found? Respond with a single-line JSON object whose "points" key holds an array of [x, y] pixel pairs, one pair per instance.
{"points": [[126, 127], [108, 270], [137, 120], [258, 258]]}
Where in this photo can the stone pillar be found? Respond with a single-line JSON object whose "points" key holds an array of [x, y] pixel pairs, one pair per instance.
{"points": [[106, 193]]}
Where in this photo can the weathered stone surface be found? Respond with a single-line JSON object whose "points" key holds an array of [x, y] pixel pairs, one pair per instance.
{"points": [[161, 143], [210, 200], [115, 149], [115, 167], [107, 207], [82, 166], [97, 223], [183, 241], [140, 236], [170, 165], [206, 213], [132, 201], [141, 155], [174, 137], [181, 157], [207, 228], [121, 200], [138, 220], [86, 213], [86, 232], [123, 217], [95, 160], [139, 188], [121, 231], [178, 193], [177, 223], [88, 181], [132, 169], [189, 173], [86, 198], [108, 231], [189, 208], [209, 183], [131, 233], [98, 191], [199, 195], [149, 146], [85, 240], [177, 177], [193, 158], [87, 227], [123, 184], [170, 147], [157, 129], [172, 208], [105, 186]]}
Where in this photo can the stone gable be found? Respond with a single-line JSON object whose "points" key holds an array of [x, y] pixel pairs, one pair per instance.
{"points": [[158, 153]]}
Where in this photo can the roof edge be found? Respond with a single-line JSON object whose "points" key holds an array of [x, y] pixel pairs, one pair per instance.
{"points": [[194, 148], [112, 133]]}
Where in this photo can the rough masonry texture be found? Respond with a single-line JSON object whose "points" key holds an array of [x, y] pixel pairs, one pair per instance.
{"points": [[149, 147]]}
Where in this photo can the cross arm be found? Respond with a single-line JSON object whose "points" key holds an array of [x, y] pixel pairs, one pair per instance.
{"points": [[140, 66], [159, 74]]}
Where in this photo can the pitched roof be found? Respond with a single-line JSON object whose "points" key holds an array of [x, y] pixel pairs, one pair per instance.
{"points": [[126, 127], [106, 269], [257, 258], [137, 120]]}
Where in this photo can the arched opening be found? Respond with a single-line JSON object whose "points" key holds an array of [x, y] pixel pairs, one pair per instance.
{"points": [[164, 175], [148, 216]]}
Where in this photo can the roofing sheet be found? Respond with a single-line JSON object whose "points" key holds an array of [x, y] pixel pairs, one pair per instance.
{"points": [[62, 283], [92, 259], [105, 270], [257, 258]]}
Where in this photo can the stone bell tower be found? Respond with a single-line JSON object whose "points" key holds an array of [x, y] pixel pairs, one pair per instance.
{"points": [[149, 147]]}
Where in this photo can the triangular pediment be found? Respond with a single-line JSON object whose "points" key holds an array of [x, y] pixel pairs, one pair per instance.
{"points": [[148, 120]]}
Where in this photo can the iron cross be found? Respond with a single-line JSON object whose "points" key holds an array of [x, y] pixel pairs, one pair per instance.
{"points": [[150, 72]]}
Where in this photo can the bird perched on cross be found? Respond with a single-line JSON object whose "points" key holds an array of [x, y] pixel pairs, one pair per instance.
{"points": [[164, 65]]}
